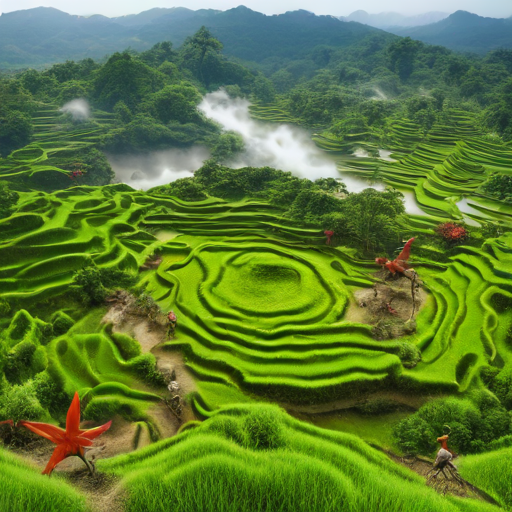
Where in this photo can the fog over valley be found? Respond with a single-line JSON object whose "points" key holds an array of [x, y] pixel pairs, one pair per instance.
{"points": [[281, 146]]}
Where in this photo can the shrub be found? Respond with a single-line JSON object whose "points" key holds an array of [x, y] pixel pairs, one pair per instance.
{"points": [[474, 422], [145, 366], [502, 442], [51, 395], [415, 435], [96, 283], [147, 306], [409, 354], [21, 403], [452, 233], [502, 387], [22, 362], [499, 186]]}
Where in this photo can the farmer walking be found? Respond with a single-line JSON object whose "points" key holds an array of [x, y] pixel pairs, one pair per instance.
{"points": [[171, 324]]}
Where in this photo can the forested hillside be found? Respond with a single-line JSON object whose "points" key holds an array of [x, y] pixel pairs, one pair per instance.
{"points": [[46, 35], [464, 32]]}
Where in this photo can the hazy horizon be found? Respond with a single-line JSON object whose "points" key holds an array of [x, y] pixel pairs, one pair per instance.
{"points": [[491, 8]]}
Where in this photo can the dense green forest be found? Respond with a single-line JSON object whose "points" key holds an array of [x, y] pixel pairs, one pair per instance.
{"points": [[273, 279]]}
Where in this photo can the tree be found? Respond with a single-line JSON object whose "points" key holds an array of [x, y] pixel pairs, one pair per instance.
{"points": [[499, 186], [368, 220], [402, 54], [97, 168], [187, 189], [313, 203], [125, 78], [158, 54], [199, 45], [15, 130], [174, 103], [227, 145]]}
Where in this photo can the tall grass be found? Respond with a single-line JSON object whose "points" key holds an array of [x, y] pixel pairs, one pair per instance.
{"points": [[23, 489], [256, 458], [492, 472]]}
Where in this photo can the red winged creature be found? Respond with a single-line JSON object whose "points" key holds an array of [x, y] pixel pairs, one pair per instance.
{"points": [[399, 264], [71, 441]]}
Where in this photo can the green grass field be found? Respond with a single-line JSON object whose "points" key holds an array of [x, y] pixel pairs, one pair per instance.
{"points": [[23, 489], [256, 458], [491, 472]]}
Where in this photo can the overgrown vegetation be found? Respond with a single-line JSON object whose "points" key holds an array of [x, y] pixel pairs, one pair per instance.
{"points": [[474, 422], [368, 220], [94, 284]]}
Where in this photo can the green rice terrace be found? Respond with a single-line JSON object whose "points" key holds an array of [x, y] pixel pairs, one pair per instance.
{"points": [[234, 339]]}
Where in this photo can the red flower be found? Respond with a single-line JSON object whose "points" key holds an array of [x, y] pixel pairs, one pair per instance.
{"points": [[7, 421], [452, 232], [70, 441]]}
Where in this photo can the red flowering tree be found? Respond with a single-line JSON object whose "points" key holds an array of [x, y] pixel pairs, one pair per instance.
{"points": [[452, 233]]}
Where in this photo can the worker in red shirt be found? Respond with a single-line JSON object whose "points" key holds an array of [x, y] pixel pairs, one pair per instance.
{"points": [[171, 324]]}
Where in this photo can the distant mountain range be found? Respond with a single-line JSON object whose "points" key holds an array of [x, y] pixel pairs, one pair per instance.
{"points": [[464, 32], [386, 20], [44, 35]]}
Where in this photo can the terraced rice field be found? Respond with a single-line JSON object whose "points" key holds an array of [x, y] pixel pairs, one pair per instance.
{"points": [[263, 313], [451, 162], [261, 304], [54, 141]]}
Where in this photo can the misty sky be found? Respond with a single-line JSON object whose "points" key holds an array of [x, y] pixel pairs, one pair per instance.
{"points": [[492, 8]]}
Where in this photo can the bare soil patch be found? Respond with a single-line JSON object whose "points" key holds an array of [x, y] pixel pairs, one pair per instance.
{"points": [[388, 305]]}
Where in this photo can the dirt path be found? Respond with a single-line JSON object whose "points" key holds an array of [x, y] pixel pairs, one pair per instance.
{"points": [[103, 492], [422, 466], [151, 336]]}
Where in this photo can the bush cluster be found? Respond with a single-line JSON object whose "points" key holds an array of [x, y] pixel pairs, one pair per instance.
{"points": [[452, 233], [474, 422], [96, 283]]}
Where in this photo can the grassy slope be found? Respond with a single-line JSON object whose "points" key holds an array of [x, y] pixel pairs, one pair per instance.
{"points": [[491, 472], [255, 458], [23, 489]]}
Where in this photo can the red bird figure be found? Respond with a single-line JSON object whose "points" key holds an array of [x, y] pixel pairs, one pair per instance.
{"points": [[328, 234], [390, 309], [399, 264]]}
